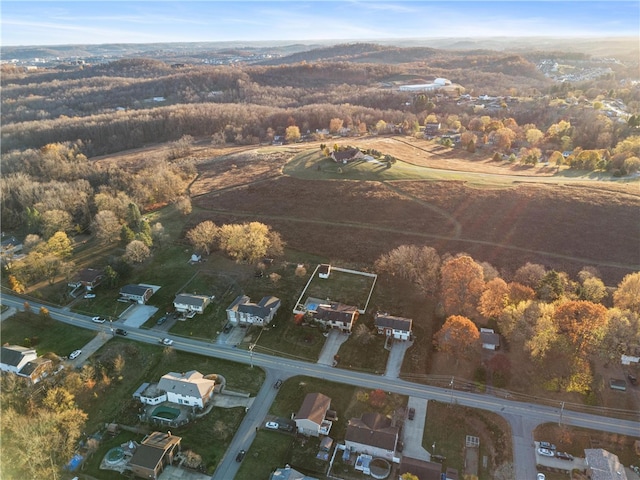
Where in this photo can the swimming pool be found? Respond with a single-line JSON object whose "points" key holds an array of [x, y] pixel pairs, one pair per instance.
{"points": [[165, 413]]}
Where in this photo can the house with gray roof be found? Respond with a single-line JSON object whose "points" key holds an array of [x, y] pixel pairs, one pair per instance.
{"points": [[603, 465], [185, 303], [336, 315], [288, 473], [244, 312], [154, 454], [135, 293], [372, 434], [23, 362], [190, 388], [399, 328], [489, 339]]}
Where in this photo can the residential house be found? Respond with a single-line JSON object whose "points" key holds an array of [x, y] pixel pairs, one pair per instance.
{"points": [[489, 339], [156, 451], [24, 362], [336, 315], [88, 278], [288, 473], [185, 302], [420, 468], [372, 434], [243, 312], [136, 293], [10, 250], [311, 419], [431, 129], [346, 156], [324, 270], [190, 388], [398, 328], [603, 465]]}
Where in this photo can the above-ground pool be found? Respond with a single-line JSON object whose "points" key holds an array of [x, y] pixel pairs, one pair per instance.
{"points": [[114, 455], [165, 413]]}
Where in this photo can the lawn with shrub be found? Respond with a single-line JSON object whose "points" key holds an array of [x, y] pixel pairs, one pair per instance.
{"points": [[269, 450]]}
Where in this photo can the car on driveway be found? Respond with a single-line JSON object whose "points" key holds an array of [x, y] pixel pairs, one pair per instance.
{"points": [[412, 413], [271, 425], [98, 320], [564, 456], [75, 354], [89, 295], [545, 452], [120, 331], [161, 320], [166, 341], [632, 378], [227, 328], [240, 455], [547, 445]]}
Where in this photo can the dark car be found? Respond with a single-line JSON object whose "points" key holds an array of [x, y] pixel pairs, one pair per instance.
{"points": [[120, 331], [547, 445], [227, 328], [278, 384], [240, 455], [412, 413], [564, 456], [161, 320], [632, 379], [285, 427]]}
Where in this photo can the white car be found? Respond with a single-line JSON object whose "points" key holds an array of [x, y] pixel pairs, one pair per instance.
{"points": [[166, 341], [271, 425], [540, 476], [545, 452], [75, 354], [98, 320], [89, 295]]}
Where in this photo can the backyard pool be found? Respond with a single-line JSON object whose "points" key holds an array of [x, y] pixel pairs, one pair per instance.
{"points": [[165, 413]]}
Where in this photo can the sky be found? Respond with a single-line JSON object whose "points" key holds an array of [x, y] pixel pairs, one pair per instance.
{"points": [[28, 22]]}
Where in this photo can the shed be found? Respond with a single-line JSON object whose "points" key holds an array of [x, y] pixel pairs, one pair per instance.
{"points": [[617, 384]]}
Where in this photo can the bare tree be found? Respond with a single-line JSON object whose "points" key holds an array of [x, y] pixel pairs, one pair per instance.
{"points": [[136, 252], [107, 226], [203, 236]]}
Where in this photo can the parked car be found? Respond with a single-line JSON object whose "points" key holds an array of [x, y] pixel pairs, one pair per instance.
{"points": [[285, 427], [240, 455], [540, 476], [632, 379], [227, 328], [89, 295], [161, 320], [278, 384], [98, 320], [547, 445], [412, 413], [120, 331], [545, 452], [564, 456], [166, 341], [75, 354], [271, 425]]}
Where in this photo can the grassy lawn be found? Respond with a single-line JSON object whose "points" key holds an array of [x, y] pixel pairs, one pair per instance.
{"points": [[447, 426], [574, 440], [364, 355], [348, 288], [269, 450], [44, 334]]}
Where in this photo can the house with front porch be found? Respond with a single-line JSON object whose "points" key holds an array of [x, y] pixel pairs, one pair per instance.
{"points": [[372, 434], [244, 312], [398, 328], [88, 278], [24, 362]]}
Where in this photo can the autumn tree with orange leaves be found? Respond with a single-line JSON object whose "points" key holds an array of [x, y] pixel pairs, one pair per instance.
{"points": [[462, 283], [494, 298], [584, 323], [458, 336]]}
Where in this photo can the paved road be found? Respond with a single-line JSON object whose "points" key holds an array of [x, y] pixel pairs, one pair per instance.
{"points": [[523, 417]]}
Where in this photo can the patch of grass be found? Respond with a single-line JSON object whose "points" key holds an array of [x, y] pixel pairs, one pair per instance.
{"points": [[366, 357], [447, 426], [348, 288], [91, 466], [44, 334], [287, 339], [269, 450]]}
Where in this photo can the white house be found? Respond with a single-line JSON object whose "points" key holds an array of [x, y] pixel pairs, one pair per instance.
{"points": [[372, 434], [489, 339], [242, 311], [397, 327], [190, 388], [136, 293], [185, 302], [23, 362], [336, 315], [311, 419]]}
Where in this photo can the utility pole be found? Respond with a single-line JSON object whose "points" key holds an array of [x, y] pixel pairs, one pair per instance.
{"points": [[451, 384], [561, 410]]}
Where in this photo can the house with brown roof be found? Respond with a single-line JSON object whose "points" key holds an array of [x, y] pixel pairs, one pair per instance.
{"points": [[372, 434], [603, 465], [312, 418], [156, 451], [88, 278], [420, 468], [398, 328], [336, 315], [346, 156]]}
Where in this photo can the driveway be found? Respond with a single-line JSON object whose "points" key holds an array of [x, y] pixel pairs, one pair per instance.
{"points": [[331, 346], [7, 313], [396, 356], [136, 315], [90, 348], [413, 430]]}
